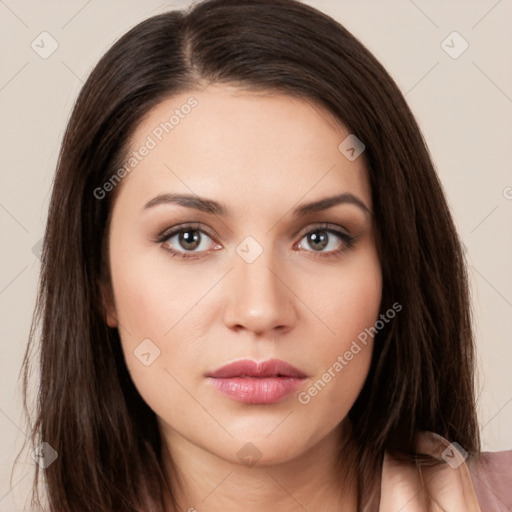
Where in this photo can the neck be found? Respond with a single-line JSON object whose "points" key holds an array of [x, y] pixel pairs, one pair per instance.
{"points": [[320, 479]]}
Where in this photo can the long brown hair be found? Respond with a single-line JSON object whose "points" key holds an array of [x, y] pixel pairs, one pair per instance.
{"points": [[421, 376]]}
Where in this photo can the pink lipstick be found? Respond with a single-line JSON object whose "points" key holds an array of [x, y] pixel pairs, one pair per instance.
{"points": [[251, 382]]}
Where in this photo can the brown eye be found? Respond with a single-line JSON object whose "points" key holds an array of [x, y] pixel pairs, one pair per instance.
{"points": [[189, 239], [186, 241], [323, 238], [318, 239]]}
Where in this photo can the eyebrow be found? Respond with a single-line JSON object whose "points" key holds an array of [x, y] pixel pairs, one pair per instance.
{"points": [[216, 208]]}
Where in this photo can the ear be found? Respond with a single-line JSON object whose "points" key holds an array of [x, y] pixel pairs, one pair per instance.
{"points": [[108, 305]]}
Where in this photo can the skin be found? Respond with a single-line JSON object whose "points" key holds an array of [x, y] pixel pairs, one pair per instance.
{"points": [[260, 154]]}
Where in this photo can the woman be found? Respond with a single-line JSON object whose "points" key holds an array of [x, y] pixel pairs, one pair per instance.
{"points": [[252, 290]]}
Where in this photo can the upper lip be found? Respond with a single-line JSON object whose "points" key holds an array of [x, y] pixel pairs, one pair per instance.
{"points": [[250, 368]]}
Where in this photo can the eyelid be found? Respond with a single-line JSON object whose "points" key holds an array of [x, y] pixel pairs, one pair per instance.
{"points": [[323, 225], [195, 226]]}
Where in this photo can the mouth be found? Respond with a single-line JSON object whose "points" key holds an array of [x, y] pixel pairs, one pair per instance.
{"points": [[250, 382]]}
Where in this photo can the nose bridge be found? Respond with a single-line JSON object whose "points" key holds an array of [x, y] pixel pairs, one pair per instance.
{"points": [[259, 299]]}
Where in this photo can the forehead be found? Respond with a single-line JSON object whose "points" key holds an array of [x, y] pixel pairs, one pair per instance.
{"points": [[228, 143]]}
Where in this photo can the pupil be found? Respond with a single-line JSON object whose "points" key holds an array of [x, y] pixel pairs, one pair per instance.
{"points": [[318, 239], [189, 241]]}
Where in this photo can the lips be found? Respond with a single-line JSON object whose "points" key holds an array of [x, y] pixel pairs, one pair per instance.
{"points": [[250, 368], [261, 383]]}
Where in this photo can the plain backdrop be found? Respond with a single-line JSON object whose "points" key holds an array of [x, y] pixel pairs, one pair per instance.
{"points": [[462, 98]]}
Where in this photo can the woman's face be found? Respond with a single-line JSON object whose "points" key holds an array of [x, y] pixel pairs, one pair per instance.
{"points": [[253, 275]]}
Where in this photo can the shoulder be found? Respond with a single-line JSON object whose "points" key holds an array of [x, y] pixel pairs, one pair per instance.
{"points": [[491, 474], [449, 484]]}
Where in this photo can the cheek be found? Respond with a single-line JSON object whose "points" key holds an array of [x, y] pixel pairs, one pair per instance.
{"points": [[347, 301], [343, 350], [148, 306], [148, 299], [153, 348]]}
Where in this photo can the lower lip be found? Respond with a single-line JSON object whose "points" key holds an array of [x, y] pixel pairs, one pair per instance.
{"points": [[257, 390]]}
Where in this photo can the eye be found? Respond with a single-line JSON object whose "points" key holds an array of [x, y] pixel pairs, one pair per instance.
{"points": [[327, 240], [186, 241]]}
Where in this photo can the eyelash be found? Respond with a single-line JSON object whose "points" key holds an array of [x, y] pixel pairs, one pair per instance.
{"points": [[347, 240]]}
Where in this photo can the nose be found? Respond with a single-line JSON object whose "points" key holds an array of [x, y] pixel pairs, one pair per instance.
{"points": [[261, 297]]}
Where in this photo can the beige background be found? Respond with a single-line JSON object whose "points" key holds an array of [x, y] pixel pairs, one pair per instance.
{"points": [[464, 107]]}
